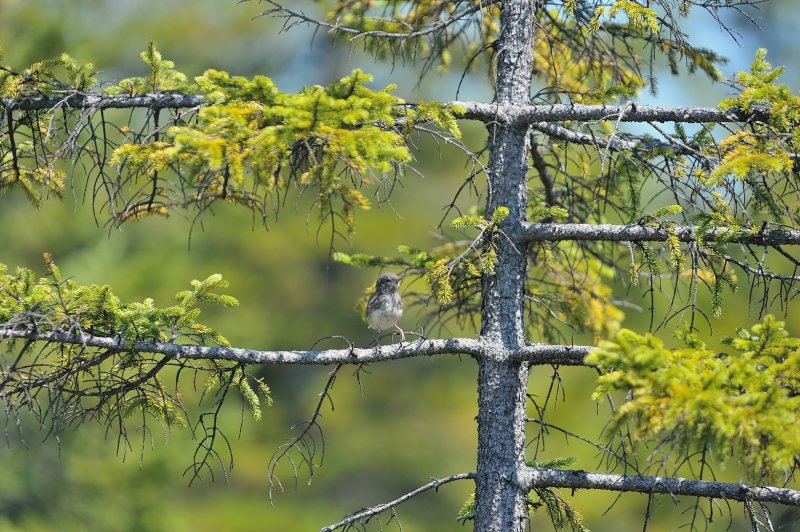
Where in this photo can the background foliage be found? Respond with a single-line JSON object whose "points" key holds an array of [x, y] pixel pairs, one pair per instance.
{"points": [[406, 422]]}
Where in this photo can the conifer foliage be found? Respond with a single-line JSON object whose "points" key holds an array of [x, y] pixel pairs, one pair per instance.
{"points": [[572, 213]]}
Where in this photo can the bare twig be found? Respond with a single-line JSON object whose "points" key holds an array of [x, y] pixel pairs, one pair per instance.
{"points": [[298, 16], [304, 443], [365, 515]]}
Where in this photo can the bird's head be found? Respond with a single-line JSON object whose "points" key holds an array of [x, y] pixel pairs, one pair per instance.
{"points": [[387, 283]]}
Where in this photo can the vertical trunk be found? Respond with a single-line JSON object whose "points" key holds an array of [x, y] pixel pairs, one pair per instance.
{"points": [[499, 504]]}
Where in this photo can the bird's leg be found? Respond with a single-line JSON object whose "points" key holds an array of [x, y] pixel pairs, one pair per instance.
{"points": [[402, 334]]}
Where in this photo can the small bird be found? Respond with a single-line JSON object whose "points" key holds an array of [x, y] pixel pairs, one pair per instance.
{"points": [[385, 307]]}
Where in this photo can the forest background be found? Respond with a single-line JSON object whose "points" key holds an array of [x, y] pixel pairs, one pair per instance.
{"points": [[406, 421]]}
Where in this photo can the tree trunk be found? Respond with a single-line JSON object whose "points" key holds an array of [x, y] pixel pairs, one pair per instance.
{"points": [[500, 503]]}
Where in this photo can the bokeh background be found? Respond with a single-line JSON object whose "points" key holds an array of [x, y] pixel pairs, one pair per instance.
{"points": [[404, 422]]}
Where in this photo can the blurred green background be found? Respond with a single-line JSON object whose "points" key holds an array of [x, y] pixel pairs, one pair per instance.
{"points": [[406, 421]]}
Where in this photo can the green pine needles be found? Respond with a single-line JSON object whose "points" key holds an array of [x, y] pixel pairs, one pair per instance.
{"points": [[64, 384], [162, 78], [248, 143], [762, 151], [333, 139], [742, 402], [53, 303]]}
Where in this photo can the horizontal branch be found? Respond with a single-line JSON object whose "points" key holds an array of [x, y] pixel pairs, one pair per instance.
{"points": [[614, 143], [556, 355], [539, 354], [641, 145], [474, 110], [552, 232], [367, 513], [250, 356], [556, 478], [103, 101], [531, 114]]}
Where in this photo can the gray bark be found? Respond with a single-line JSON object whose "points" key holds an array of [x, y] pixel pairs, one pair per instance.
{"points": [[500, 502], [354, 355], [76, 100], [536, 232], [527, 113], [504, 112], [558, 478], [533, 354]]}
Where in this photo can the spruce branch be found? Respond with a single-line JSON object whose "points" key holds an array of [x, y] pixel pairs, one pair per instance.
{"points": [[614, 143], [484, 112], [551, 232], [532, 114], [366, 514], [96, 101], [536, 354], [552, 354], [292, 17], [466, 346], [531, 478]]}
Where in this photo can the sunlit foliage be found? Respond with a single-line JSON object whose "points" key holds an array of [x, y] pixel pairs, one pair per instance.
{"points": [[743, 401]]}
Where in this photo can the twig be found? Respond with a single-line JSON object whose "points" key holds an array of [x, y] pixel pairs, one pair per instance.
{"points": [[368, 513]]}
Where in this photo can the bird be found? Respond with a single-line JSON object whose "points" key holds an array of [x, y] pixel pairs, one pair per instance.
{"points": [[385, 306]]}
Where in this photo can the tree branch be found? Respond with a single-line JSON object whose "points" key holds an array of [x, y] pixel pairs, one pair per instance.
{"points": [[375, 510], [556, 355], [536, 354], [556, 478], [537, 232], [547, 179], [485, 112], [531, 114], [466, 346], [614, 143], [103, 101], [280, 11]]}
